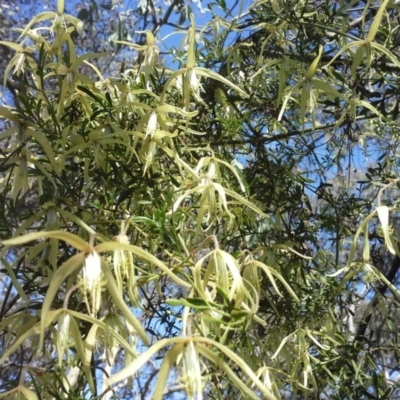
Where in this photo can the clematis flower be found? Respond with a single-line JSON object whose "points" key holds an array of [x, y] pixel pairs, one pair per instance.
{"points": [[92, 281], [194, 83], [58, 24], [151, 125], [92, 271], [209, 177]]}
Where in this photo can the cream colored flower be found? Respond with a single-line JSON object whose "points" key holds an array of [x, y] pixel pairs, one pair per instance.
{"points": [[151, 56], [179, 83], [58, 25], [194, 83], [92, 271], [70, 79], [19, 65], [121, 261], [209, 177], [152, 125], [92, 281]]}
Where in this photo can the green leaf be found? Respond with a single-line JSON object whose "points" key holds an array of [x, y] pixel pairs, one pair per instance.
{"points": [[120, 303], [377, 21], [143, 358], [29, 394], [113, 246], [71, 239], [213, 75], [196, 303], [383, 215], [166, 366], [218, 361], [313, 67], [38, 18], [80, 349], [35, 330], [105, 328], [66, 269]]}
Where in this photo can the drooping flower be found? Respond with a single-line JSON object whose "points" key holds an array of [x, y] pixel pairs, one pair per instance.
{"points": [[194, 83], [58, 24], [191, 373], [62, 335], [151, 125], [209, 177], [92, 271], [92, 281]]}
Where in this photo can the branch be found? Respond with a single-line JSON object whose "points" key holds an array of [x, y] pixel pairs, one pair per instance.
{"points": [[390, 276], [283, 136], [168, 13]]}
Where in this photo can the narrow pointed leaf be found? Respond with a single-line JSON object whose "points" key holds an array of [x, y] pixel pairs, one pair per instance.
{"points": [[166, 367], [71, 239], [69, 267], [120, 303]]}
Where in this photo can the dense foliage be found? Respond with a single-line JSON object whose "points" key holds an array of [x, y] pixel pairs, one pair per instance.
{"points": [[216, 221]]}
